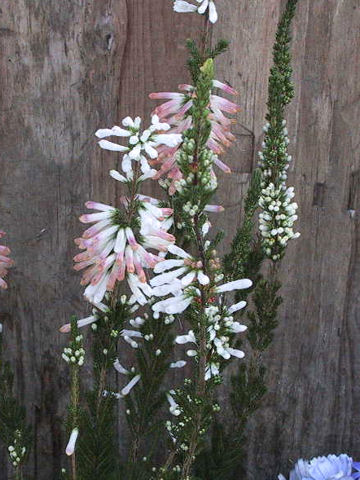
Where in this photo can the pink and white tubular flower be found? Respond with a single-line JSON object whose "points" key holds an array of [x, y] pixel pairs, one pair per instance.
{"points": [[185, 7], [176, 111], [141, 144], [171, 270], [112, 250], [5, 262]]}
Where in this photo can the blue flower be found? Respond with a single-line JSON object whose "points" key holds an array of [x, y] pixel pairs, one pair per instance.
{"points": [[331, 467], [356, 466]]}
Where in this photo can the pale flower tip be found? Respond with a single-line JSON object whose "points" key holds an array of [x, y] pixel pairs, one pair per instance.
{"points": [[70, 448], [65, 328]]}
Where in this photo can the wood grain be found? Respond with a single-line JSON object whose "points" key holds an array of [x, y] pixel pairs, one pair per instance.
{"points": [[67, 68]]}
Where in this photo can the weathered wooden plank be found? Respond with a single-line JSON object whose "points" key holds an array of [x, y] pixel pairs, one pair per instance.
{"points": [[71, 67], [60, 78]]}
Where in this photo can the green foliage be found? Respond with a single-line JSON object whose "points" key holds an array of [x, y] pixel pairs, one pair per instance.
{"points": [[198, 57], [15, 433], [281, 92], [97, 448], [96, 453], [263, 319], [244, 257], [145, 401]]}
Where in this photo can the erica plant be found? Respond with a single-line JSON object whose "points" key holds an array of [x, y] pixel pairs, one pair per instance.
{"points": [[156, 284]]}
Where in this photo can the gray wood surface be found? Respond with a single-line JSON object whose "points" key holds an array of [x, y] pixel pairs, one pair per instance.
{"points": [[69, 67]]}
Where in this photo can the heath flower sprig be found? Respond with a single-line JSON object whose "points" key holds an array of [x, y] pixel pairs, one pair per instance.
{"points": [[278, 211], [141, 144], [220, 330], [115, 248]]}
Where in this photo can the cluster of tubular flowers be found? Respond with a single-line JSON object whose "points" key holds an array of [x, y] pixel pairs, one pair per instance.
{"points": [[176, 274], [181, 278], [134, 379], [115, 250], [278, 213], [277, 219], [221, 328], [5, 262], [141, 144], [176, 111], [203, 5]]}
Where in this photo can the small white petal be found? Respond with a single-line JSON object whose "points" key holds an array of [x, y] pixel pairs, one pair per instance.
{"points": [[213, 16], [189, 278], [70, 448], [126, 390], [236, 327], [167, 265], [237, 306], [236, 353], [114, 147], [184, 7], [117, 176], [119, 368], [235, 285], [178, 364], [203, 279], [178, 251]]}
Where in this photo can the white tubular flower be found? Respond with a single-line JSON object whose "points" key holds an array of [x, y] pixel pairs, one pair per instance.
{"points": [[115, 249], [188, 338], [140, 144], [235, 285], [212, 370], [173, 305], [70, 448], [174, 407], [119, 368], [126, 390], [185, 7], [178, 364], [80, 323]]}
